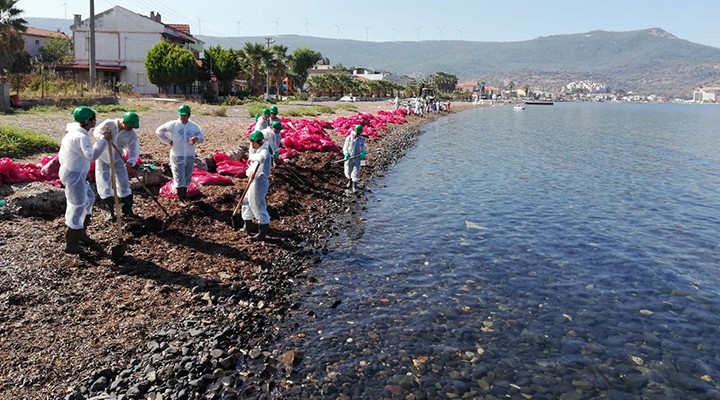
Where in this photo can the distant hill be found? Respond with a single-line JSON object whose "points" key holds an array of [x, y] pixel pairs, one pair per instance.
{"points": [[649, 61]]}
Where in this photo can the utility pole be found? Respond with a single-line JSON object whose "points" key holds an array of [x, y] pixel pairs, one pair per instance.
{"points": [[93, 68], [268, 42]]}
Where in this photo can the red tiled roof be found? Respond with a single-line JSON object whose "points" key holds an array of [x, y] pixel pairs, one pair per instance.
{"points": [[467, 84], [181, 27], [44, 33]]}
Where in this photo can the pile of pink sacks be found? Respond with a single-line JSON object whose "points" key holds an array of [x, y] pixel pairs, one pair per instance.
{"points": [[46, 170], [299, 135]]}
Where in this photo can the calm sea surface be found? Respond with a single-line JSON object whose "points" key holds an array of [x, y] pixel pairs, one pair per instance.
{"points": [[566, 251]]}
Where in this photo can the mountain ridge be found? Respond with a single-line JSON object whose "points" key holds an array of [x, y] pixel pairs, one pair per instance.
{"points": [[648, 61]]}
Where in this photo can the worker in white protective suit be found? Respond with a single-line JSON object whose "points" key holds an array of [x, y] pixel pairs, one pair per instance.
{"points": [[182, 135], [354, 149], [124, 137], [75, 156], [263, 120], [254, 204], [273, 138], [273, 115]]}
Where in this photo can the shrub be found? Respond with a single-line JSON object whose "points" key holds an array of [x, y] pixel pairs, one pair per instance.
{"points": [[232, 101], [124, 87], [220, 111], [255, 108], [19, 142]]}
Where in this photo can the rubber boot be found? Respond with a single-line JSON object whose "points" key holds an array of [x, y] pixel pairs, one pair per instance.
{"points": [[262, 232], [181, 192], [353, 186], [127, 205], [349, 184], [83, 237], [110, 203], [249, 227], [72, 246]]}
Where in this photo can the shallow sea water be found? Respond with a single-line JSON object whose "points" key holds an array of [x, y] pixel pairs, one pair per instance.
{"points": [[566, 251]]}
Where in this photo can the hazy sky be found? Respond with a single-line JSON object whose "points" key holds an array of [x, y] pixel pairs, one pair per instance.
{"points": [[399, 20]]}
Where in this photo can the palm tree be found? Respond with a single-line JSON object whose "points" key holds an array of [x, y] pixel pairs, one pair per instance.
{"points": [[254, 61], [279, 64], [11, 28]]}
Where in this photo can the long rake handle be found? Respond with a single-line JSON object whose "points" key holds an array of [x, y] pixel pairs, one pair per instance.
{"points": [[242, 196], [145, 187]]}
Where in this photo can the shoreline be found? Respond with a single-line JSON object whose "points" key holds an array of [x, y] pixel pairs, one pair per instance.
{"points": [[188, 306]]}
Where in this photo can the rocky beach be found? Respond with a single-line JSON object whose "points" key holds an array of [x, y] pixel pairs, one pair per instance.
{"points": [[191, 309]]}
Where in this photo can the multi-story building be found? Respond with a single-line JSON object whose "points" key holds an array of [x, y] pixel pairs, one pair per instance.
{"points": [[122, 40]]}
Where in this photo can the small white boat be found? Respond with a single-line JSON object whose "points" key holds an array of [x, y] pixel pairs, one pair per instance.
{"points": [[519, 107]]}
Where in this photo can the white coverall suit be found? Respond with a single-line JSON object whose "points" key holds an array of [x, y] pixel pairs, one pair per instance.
{"points": [[262, 123], [272, 139], [182, 154], [254, 204], [354, 145], [123, 140], [75, 156]]}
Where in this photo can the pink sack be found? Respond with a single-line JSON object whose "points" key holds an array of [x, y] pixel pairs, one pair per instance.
{"points": [[227, 166], [49, 167], [202, 177], [170, 191]]}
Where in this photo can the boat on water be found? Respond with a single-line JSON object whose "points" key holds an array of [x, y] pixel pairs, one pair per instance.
{"points": [[519, 107], [540, 102]]}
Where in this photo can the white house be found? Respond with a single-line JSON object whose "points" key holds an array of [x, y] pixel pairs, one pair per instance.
{"points": [[368, 74], [36, 38], [122, 40]]}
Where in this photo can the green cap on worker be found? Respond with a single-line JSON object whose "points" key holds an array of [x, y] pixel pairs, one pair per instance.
{"points": [[277, 125], [184, 110], [358, 128], [256, 136], [274, 110], [83, 114], [131, 118], [266, 112]]}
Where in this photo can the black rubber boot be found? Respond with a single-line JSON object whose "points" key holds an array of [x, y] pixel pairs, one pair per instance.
{"points": [[249, 227], [181, 192], [262, 232], [83, 237], [110, 203], [127, 205], [72, 246]]}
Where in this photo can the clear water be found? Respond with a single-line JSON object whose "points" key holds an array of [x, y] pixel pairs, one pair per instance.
{"points": [[566, 251]]}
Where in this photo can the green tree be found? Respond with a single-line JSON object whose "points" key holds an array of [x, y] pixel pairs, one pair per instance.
{"points": [[224, 64], [183, 68], [445, 82], [301, 61], [253, 61], [56, 50], [156, 65], [11, 29]]}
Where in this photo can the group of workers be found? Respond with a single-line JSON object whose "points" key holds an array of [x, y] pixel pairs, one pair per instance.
{"points": [[113, 136]]}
